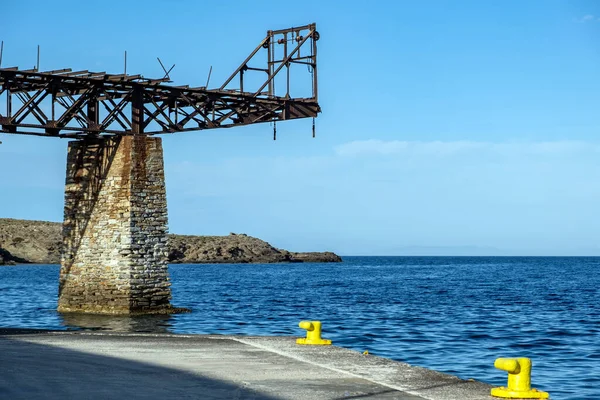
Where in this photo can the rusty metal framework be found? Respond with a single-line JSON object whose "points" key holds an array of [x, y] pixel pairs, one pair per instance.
{"points": [[82, 104]]}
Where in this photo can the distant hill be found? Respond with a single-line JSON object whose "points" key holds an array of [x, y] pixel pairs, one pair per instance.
{"points": [[39, 242]]}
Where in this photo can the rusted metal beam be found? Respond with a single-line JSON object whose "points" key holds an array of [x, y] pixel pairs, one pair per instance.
{"points": [[85, 103]]}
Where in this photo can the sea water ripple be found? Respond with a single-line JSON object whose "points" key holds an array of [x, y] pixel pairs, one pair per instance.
{"points": [[452, 314]]}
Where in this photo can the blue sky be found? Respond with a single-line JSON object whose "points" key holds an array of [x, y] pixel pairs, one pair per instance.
{"points": [[448, 127]]}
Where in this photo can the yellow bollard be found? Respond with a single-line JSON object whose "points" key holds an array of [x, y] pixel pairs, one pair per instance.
{"points": [[519, 380], [313, 333]]}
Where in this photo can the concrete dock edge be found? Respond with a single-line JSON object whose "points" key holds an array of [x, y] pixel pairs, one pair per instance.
{"points": [[94, 365]]}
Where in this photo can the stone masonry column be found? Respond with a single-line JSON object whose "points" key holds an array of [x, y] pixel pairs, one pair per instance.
{"points": [[114, 257]]}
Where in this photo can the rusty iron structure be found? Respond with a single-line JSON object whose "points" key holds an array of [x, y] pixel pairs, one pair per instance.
{"points": [[82, 104]]}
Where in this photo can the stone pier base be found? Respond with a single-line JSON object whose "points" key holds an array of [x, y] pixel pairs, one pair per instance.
{"points": [[115, 228]]}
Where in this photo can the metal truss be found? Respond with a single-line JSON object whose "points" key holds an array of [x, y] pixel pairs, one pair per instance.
{"points": [[83, 104]]}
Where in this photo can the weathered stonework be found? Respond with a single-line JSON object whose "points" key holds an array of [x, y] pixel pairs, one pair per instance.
{"points": [[114, 258]]}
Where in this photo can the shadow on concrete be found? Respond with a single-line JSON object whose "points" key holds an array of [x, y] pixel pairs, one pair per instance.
{"points": [[34, 371]]}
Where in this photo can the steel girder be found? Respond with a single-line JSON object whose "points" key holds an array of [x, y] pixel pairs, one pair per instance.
{"points": [[81, 104]]}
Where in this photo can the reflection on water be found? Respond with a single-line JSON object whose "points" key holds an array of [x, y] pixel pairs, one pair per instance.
{"points": [[118, 323]]}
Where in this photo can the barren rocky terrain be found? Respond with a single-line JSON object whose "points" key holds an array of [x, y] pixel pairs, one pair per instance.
{"points": [[39, 242]]}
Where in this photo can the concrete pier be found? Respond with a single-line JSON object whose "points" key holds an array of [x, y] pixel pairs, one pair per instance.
{"points": [[65, 365], [115, 228]]}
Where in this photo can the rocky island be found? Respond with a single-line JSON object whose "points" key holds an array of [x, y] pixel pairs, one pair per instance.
{"points": [[39, 242]]}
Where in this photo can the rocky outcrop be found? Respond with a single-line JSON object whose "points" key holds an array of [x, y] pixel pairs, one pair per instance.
{"points": [[31, 241], [235, 248], [325, 256], [8, 259], [39, 242], [5, 258]]}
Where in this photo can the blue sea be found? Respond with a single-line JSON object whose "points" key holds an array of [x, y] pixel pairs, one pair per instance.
{"points": [[452, 314]]}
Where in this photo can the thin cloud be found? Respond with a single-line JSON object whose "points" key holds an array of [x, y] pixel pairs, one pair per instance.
{"points": [[587, 18]]}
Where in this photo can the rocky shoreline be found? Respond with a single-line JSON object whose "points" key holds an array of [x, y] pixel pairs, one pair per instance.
{"points": [[39, 242]]}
